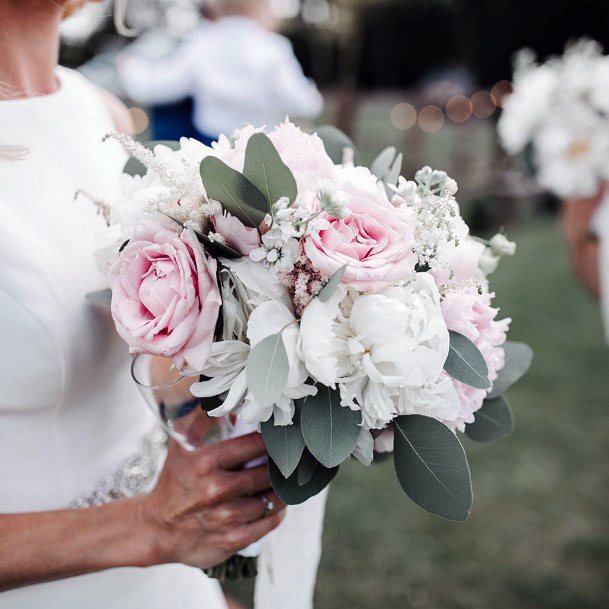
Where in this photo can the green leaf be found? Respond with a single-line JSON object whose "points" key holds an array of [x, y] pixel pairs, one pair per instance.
{"points": [[267, 370], [431, 466], [133, 167], [494, 420], [335, 142], [381, 165], [329, 429], [265, 170], [518, 358], [292, 493], [236, 193], [326, 292], [306, 467], [465, 362], [284, 443]]}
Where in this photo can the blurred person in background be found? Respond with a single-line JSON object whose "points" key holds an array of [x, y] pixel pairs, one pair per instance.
{"points": [[237, 70], [74, 430]]}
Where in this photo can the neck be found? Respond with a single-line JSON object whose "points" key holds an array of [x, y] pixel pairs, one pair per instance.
{"points": [[29, 47]]}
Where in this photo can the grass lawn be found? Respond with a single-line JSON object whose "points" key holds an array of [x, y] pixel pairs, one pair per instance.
{"points": [[538, 536]]}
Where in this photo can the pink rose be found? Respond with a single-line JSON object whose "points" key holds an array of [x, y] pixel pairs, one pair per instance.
{"points": [[470, 313], [238, 236], [165, 299], [375, 240]]}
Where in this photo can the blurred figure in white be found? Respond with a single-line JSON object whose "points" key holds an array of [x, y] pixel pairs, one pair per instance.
{"points": [[237, 70]]}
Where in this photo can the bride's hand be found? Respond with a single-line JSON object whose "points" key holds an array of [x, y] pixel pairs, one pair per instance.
{"points": [[205, 507]]}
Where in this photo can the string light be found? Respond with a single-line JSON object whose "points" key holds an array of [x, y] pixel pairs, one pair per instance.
{"points": [[431, 118], [403, 116], [500, 91], [483, 105], [459, 109], [140, 120]]}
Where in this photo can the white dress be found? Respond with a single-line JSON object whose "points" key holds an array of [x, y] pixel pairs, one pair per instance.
{"points": [[73, 427]]}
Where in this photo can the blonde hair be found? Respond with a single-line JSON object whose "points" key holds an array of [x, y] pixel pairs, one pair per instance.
{"points": [[72, 6]]}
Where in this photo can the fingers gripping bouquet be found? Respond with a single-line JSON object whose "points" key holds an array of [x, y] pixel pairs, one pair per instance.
{"points": [[342, 310]]}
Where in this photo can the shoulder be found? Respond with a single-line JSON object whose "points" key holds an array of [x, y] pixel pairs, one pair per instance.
{"points": [[118, 111]]}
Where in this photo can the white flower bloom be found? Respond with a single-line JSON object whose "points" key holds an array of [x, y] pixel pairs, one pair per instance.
{"points": [[333, 201], [386, 351], [278, 252], [501, 246], [488, 262]]}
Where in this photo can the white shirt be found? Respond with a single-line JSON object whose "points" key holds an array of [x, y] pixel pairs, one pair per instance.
{"points": [[70, 413], [236, 71]]}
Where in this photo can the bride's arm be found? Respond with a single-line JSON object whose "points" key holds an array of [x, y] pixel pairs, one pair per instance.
{"points": [[201, 512]]}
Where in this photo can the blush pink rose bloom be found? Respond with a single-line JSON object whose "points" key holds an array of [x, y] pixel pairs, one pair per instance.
{"points": [[165, 299], [471, 314], [242, 238], [375, 240]]}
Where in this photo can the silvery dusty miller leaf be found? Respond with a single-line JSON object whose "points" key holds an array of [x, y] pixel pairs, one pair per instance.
{"points": [[335, 142], [494, 421], [267, 370], [381, 165], [329, 429], [431, 466], [265, 170], [518, 359], [465, 362]]}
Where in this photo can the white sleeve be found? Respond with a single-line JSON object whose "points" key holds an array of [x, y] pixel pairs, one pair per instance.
{"points": [[161, 81], [297, 94], [287, 567]]}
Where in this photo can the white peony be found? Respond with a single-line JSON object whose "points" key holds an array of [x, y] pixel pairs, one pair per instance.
{"points": [[385, 351]]}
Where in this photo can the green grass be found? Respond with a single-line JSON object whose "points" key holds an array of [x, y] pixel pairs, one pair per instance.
{"points": [[538, 536]]}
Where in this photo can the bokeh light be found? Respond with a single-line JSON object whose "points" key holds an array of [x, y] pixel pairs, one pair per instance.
{"points": [[140, 120], [458, 109], [500, 91], [403, 116], [431, 118], [483, 105]]}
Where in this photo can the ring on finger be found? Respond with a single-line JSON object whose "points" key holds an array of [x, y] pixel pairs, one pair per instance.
{"points": [[269, 504]]}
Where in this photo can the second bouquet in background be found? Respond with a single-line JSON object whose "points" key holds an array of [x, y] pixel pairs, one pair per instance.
{"points": [[342, 310]]}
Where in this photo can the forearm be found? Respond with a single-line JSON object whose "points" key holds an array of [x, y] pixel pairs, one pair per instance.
{"points": [[38, 547]]}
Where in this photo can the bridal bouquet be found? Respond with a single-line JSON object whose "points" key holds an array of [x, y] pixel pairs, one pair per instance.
{"points": [[558, 116], [341, 310]]}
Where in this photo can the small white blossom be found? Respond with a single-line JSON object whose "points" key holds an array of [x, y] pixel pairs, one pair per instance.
{"points": [[488, 262], [501, 246], [333, 201], [277, 252]]}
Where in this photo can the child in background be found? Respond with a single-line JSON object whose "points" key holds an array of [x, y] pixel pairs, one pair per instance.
{"points": [[237, 70]]}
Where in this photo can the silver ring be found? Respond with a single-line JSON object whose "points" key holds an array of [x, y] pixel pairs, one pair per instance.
{"points": [[269, 506]]}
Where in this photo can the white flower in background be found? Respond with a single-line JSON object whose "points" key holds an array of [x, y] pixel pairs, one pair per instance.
{"points": [[386, 351], [278, 252], [488, 262], [501, 246]]}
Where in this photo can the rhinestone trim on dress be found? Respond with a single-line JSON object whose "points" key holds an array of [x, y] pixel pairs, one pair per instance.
{"points": [[132, 478]]}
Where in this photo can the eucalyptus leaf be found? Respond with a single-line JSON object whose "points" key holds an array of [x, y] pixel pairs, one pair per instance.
{"points": [[292, 493], [431, 466], [330, 430], [326, 292], [465, 362], [518, 358], [236, 193], [265, 170], [284, 443], [133, 167], [306, 467], [267, 370], [494, 421], [381, 165], [335, 142]]}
